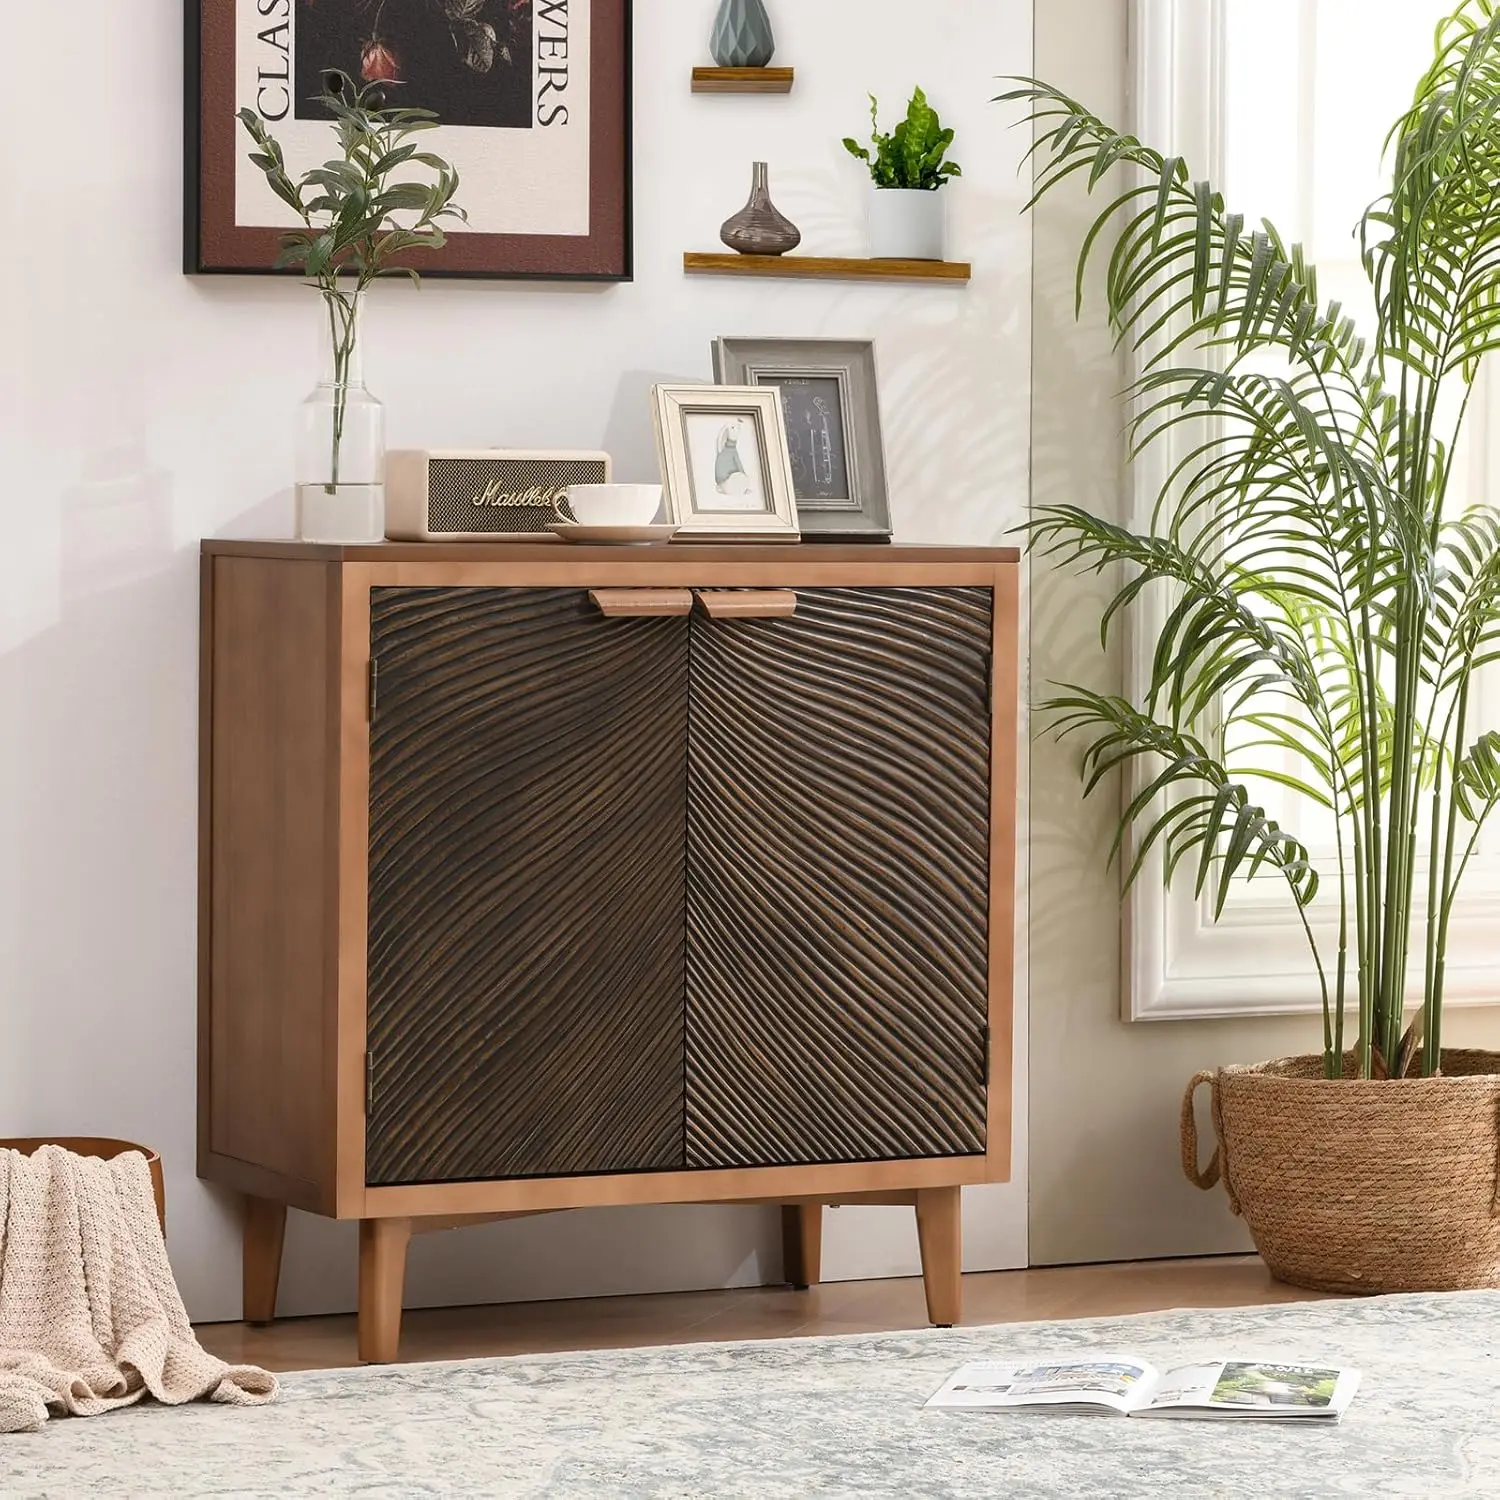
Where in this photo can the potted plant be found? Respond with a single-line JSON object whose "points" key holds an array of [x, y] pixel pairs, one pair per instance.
{"points": [[907, 170], [1323, 605], [381, 197]]}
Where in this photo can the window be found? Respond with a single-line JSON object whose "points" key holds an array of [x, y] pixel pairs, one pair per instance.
{"points": [[1285, 104]]}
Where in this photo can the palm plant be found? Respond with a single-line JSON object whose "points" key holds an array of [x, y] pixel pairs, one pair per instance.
{"points": [[1324, 604]]}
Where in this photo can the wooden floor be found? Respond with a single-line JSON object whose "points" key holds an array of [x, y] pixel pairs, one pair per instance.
{"points": [[760, 1312]]}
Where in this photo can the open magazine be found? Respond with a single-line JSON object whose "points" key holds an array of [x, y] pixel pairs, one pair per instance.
{"points": [[1132, 1387]]}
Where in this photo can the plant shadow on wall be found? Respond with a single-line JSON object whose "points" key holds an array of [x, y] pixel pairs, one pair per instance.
{"points": [[1316, 610], [953, 383], [1077, 456], [466, 60], [1073, 929]]}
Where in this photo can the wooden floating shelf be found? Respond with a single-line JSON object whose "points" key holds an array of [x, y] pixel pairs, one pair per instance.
{"points": [[828, 268], [743, 80]]}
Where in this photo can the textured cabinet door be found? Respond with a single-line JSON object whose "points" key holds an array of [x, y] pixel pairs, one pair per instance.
{"points": [[838, 891], [526, 922]]}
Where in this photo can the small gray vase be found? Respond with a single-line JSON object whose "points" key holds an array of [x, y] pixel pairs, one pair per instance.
{"points": [[760, 228], [742, 35]]}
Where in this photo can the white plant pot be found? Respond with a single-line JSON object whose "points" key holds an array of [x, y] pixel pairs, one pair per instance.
{"points": [[907, 223]]}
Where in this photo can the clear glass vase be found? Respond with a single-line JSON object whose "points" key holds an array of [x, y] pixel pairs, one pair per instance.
{"points": [[340, 435]]}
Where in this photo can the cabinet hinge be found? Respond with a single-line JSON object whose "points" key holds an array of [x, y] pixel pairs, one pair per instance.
{"points": [[374, 686], [369, 1084], [986, 1056]]}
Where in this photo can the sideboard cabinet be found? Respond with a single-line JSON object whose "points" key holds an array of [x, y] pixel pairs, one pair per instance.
{"points": [[537, 877]]}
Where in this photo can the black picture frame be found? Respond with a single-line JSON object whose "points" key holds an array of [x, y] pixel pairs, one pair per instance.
{"points": [[830, 399], [215, 243]]}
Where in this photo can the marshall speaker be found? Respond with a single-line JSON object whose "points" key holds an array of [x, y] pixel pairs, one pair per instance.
{"points": [[477, 495]]}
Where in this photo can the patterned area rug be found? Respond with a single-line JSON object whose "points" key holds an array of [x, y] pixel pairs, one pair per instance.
{"points": [[822, 1417]]}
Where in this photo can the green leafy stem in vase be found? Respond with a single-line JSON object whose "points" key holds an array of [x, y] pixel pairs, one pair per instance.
{"points": [[910, 156], [349, 208]]}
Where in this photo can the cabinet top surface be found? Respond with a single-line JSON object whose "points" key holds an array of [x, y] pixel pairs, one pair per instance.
{"points": [[801, 554]]}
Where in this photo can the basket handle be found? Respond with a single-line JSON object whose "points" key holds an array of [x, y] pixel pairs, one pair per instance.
{"points": [[1210, 1174], [1217, 1165]]}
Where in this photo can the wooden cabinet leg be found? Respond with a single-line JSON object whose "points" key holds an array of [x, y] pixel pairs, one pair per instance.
{"points": [[382, 1280], [802, 1244], [940, 1234], [264, 1233]]}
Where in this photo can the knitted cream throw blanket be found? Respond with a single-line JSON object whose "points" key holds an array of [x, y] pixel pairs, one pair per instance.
{"points": [[90, 1316]]}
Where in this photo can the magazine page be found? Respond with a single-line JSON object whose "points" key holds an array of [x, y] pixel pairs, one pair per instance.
{"points": [[1101, 1382], [1244, 1388], [1187, 1385]]}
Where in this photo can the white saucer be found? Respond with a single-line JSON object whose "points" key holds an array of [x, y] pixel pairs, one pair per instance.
{"points": [[571, 531]]}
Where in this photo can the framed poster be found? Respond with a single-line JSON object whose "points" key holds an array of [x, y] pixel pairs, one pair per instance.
{"points": [[534, 96], [832, 413]]}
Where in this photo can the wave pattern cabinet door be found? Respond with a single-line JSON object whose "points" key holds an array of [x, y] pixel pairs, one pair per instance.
{"points": [[527, 812], [838, 873]]}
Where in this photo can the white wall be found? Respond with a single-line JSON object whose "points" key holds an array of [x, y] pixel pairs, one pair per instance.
{"points": [[141, 411]]}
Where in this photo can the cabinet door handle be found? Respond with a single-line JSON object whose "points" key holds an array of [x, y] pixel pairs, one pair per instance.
{"points": [[748, 604], [624, 602]]}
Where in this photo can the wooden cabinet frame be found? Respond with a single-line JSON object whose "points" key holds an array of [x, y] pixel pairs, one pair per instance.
{"points": [[284, 825]]}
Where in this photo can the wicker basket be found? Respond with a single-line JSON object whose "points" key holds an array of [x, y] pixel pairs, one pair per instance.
{"points": [[101, 1146], [1355, 1186]]}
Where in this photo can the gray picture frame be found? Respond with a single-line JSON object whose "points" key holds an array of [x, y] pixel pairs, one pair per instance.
{"points": [[845, 497]]}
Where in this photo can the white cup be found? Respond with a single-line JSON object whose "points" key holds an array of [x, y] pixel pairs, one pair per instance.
{"points": [[614, 504]]}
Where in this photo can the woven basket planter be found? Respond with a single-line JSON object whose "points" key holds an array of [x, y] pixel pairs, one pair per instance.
{"points": [[1354, 1186]]}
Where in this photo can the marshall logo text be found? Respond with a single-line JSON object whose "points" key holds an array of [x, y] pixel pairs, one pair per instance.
{"points": [[495, 494]]}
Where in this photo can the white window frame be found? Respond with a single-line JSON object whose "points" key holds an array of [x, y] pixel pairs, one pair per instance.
{"points": [[1178, 963]]}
